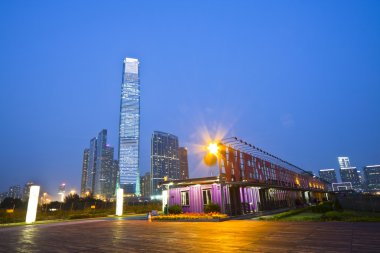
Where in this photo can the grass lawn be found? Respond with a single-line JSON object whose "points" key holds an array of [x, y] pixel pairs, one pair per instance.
{"points": [[307, 215]]}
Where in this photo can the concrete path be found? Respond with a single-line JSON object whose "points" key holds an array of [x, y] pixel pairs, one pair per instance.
{"points": [[229, 236]]}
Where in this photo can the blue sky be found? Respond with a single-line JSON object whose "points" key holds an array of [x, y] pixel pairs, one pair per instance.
{"points": [[299, 79]]}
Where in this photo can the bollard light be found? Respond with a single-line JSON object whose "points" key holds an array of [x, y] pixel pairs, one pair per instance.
{"points": [[32, 204], [119, 201]]}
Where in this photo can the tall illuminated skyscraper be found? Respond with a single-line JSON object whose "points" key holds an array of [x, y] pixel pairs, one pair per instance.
{"points": [[84, 172], [129, 131], [91, 169]]}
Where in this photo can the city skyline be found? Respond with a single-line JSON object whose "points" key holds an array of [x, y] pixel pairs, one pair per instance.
{"points": [[287, 95]]}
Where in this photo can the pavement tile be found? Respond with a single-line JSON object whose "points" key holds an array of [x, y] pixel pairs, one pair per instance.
{"points": [[229, 236]]}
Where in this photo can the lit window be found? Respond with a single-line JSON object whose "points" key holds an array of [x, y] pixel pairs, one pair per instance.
{"points": [[206, 196], [185, 198]]}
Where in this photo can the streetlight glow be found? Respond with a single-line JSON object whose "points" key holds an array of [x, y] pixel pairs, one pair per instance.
{"points": [[213, 148]]}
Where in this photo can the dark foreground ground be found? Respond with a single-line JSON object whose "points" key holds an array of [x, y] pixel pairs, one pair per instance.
{"points": [[228, 236]]}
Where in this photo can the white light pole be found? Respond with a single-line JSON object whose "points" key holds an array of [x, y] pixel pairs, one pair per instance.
{"points": [[32, 204], [119, 201]]}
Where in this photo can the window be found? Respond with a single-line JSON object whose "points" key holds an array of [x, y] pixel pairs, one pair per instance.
{"points": [[185, 198], [206, 196]]}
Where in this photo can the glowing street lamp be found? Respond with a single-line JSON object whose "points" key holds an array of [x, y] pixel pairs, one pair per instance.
{"points": [[211, 157], [213, 148]]}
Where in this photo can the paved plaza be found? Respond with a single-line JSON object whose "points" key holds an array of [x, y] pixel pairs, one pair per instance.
{"points": [[229, 236]]}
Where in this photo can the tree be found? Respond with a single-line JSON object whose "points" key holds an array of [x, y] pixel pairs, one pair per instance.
{"points": [[10, 203]]}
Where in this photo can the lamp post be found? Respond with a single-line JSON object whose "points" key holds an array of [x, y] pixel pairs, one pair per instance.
{"points": [[213, 157]]}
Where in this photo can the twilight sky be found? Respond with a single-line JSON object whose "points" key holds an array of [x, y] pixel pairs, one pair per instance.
{"points": [[299, 79]]}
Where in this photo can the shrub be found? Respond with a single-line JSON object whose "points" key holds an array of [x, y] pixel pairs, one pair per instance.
{"points": [[322, 207], [337, 206], [212, 208], [175, 209], [288, 213], [338, 216]]}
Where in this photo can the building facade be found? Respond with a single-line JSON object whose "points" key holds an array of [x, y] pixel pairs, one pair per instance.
{"points": [[15, 192], [83, 185], [183, 163], [99, 169], [62, 192], [90, 184], [247, 182], [351, 175], [104, 173], [25, 194], [328, 175], [164, 161], [145, 185], [344, 162], [129, 128], [372, 177]]}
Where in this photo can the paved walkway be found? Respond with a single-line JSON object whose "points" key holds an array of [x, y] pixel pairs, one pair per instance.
{"points": [[229, 236]]}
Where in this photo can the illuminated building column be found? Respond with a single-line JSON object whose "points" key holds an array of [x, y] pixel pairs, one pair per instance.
{"points": [[119, 201], [32, 204]]}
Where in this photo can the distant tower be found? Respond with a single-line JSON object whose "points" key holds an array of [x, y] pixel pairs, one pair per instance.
{"points": [[372, 178], [164, 160], [14, 192], [344, 162], [183, 163], [62, 191], [129, 131], [91, 170], [25, 195], [328, 175], [351, 175], [348, 173], [84, 172], [104, 165], [145, 185]]}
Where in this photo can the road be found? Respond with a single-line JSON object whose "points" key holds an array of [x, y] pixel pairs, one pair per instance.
{"points": [[112, 235]]}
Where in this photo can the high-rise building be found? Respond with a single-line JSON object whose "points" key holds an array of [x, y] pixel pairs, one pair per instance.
{"points": [[103, 187], [351, 175], [62, 191], [164, 161], [328, 175], [344, 162], [115, 175], [183, 163], [372, 177], [25, 194], [145, 185], [129, 131], [3, 195], [83, 184], [91, 166], [99, 170], [348, 173], [15, 192]]}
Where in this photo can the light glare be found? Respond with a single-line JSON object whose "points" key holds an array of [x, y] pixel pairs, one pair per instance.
{"points": [[213, 148]]}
